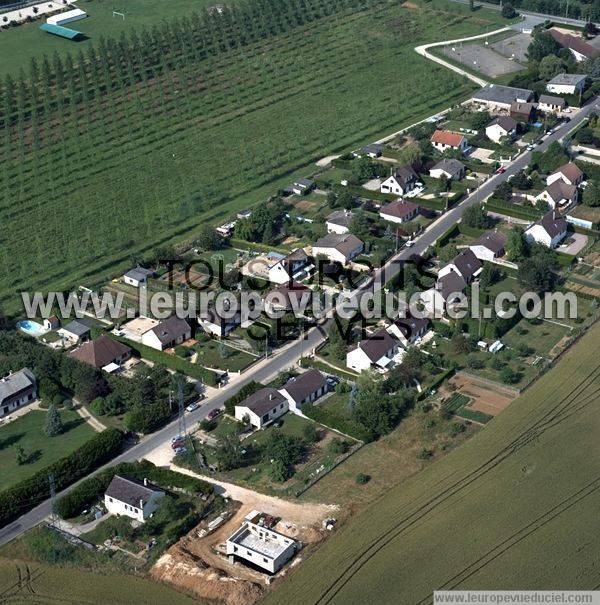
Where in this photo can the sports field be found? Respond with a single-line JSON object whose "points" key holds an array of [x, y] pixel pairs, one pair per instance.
{"points": [[128, 154], [515, 507]]}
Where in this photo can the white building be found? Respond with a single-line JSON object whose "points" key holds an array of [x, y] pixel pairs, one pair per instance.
{"points": [[212, 323], [16, 390], [499, 98], [169, 333], [262, 408], [303, 389], [466, 264], [567, 84], [377, 351], [260, 546], [489, 246], [341, 248], [568, 173], [137, 277], [501, 127], [132, 498], [399, 212], [295, 266], [401, 181], [550, 230], [339, 221], [450, 168], [446, 139], [558, 194], [551, 104], [67, 17], [409, 330]]}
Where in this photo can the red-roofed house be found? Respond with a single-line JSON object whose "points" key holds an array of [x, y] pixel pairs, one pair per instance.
{"points": [[445, 139], [399, 212]]}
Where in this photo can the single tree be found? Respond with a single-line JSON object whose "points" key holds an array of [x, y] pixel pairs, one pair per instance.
{"points": [[54, 424]]}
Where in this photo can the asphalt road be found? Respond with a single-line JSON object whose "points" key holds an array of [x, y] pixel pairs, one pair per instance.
{"points": [[289, 355]]}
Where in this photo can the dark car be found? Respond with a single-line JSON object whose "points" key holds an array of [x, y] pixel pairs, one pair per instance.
{"points": [[213, 414]]}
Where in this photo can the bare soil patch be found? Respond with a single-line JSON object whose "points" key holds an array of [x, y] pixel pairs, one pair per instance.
{"points": [[488, 399]]}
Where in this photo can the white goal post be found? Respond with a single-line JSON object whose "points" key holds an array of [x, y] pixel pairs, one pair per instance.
{"points": [[116, 14]]}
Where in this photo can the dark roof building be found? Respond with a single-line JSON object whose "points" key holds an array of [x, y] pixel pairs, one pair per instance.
{"points": [[302, 387], [102, 351], [286, 296], [553, 224], [131, 491], [377, 345], [343, 218], [502, 95], [467, 264], [552, 101], [494, 241], [16, 387], [171, 330], [505, 122], [405, 175], [263, 401], [346, 244], [400, 209], [450, 284], [452, 167], [77, 328]]}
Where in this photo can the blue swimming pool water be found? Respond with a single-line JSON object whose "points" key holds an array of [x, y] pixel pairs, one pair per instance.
{"points": [[31, 327]]}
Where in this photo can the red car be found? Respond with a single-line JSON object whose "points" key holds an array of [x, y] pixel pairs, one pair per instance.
{"points": [[213, 414], [501, 170]]}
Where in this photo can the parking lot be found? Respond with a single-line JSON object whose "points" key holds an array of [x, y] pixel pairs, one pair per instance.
{"points": [[482, 59]]}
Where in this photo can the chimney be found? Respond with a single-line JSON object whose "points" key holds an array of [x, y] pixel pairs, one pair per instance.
{"points": [[271, 396], [141, 504], [145, 481]]}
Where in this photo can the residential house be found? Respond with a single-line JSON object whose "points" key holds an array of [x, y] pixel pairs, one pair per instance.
{"points": [[132, 498], [52, 323], [558, 194], [401, 181], [523, 112], [137, 277], [550, 230], [168, 333], [303, 389], [567, 84], [373, 150], [569, 173], [446, 139], [551, 104], [302, 186], [580, 49], [296, 265], [489, 246], [378, 350], [76, 331], [102, 352], [287, 297], [466, 264], [445, 294], [501, 127], [16, 390], [339, 221], [399, 212], [339, 247], [499, 98], [450, 168], [212, 322], [262, 408], [409, 329], [260, 547], [244, 214]]}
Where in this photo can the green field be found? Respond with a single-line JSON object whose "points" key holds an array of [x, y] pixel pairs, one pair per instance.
{"points": [[28, 432], [27, 41], [114, 158], [22, 582], [514, 507]]}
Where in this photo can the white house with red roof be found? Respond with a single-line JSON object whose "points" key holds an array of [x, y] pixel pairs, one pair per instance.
{"points": [[446, 139]]}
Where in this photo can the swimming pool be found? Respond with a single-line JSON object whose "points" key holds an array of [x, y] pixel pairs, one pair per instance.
{"points": [[32, 328]]}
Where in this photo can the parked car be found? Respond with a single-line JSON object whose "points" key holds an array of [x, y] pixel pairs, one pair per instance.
{"points": [[176, 438], [214, 414], [180, 450], [501, 170], [192, 407]]}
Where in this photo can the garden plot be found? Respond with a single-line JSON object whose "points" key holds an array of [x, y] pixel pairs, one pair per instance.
{"points": [[482, 59], [483, 398]]}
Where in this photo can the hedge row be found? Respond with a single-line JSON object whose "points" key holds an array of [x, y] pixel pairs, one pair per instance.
{"points": [[522, 212], [246, 245], [173, 362], [306, 362], [30, 492], [343, 425], [89, 491]]}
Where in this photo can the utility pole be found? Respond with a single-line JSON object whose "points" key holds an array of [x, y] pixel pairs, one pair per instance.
{"points": [[53, 516], [181, 414]]}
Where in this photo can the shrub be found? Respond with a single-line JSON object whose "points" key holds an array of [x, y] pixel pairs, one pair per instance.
{"points": [[310, 433], [147, 418], [208, 425], [425, 453], [338, 446], [361, 478]]}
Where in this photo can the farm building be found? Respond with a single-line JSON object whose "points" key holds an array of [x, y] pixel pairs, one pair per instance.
{"points": [[167, 334], [399, 212], [567, 84], [378, 350], [302, 186], [261, 547], [568, 173], [137, 277], [102, 352], [303, 389], [339, 221], [550, 230], [446, 139], [262, 408], [450, 168], [489, 246], [579, 48], [340, 248], [551, 104], [496, 97], [132, 498], [401, 181], [16, 390], [501, 127]]}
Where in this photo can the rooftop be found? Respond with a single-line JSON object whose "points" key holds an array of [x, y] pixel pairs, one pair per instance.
{"points": [[446, 137], [571, 171], [551, 223], [450, 165], [505, 122], [492, 240], [131, 491], [399, 209], [304, 385], [496, 93], [77, 327], [266, 542], [171, 329], [100, 352], [263, 401], [344, 243], [377, 345], [340, 217], [16, 382], [568, 79], [139, 273]]}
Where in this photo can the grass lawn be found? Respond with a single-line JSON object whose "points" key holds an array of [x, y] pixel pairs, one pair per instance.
{"points": [[541, 337], [28, 432], [211, 354], [27, 41], [260, 117]]}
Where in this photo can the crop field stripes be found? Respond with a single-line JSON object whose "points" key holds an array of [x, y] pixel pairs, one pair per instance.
{"points": [[23, 587], [558, 413]]}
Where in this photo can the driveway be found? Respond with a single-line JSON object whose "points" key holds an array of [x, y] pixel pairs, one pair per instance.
{"points": [[578, 242]]}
